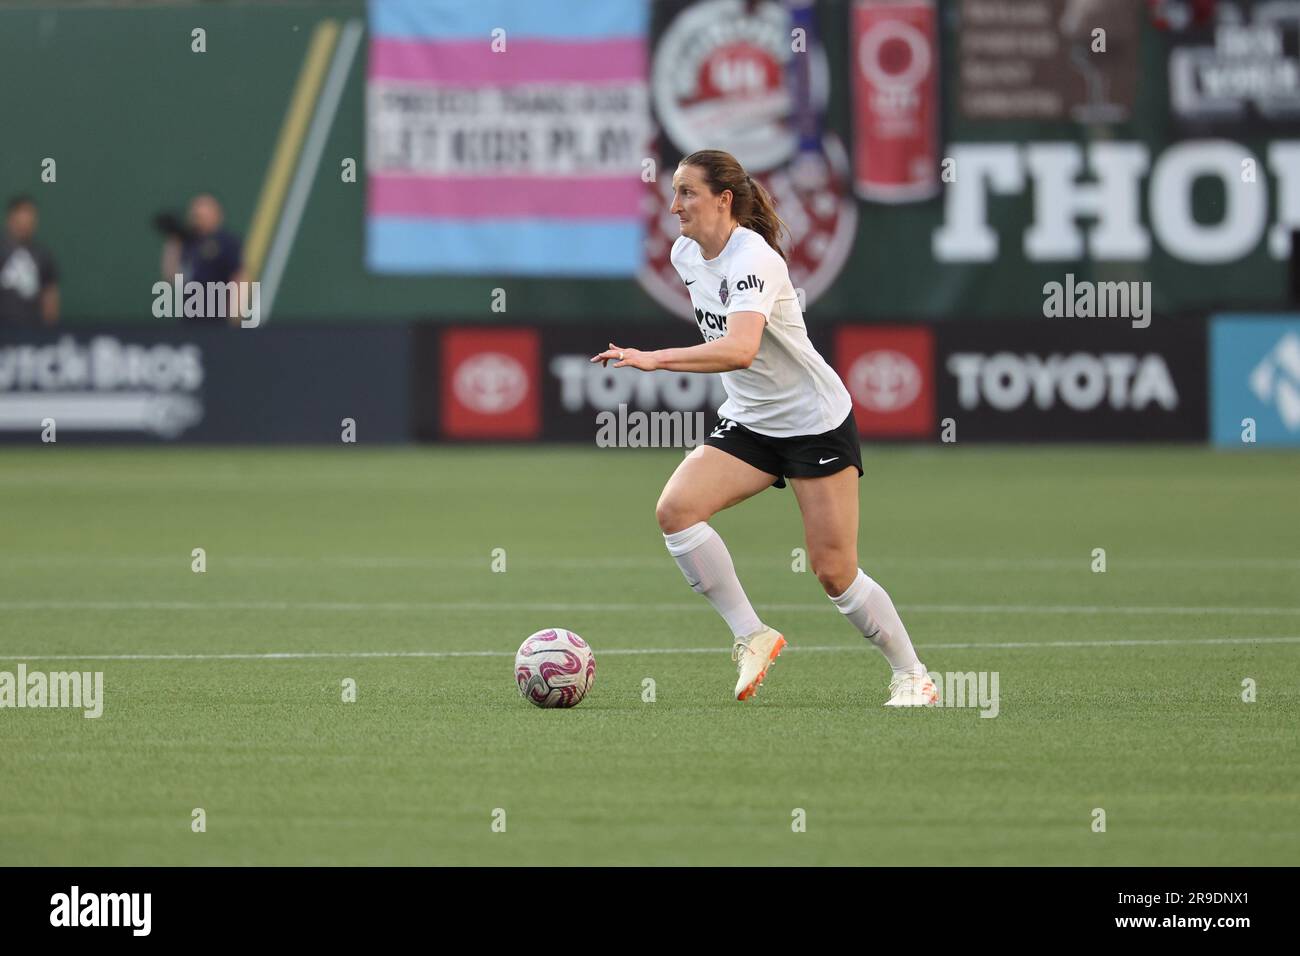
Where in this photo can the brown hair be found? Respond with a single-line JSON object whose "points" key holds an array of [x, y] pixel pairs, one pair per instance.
{"points": [[751, 205]]}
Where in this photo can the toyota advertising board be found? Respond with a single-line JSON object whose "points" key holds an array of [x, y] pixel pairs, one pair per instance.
{"points": [[889, 372], [537, 382], [488, 381], [1073, 380], [1012, 380]]}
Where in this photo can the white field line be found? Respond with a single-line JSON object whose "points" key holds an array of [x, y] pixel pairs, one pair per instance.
{"points": [[329, 655], [389, 562], [598, 606]]}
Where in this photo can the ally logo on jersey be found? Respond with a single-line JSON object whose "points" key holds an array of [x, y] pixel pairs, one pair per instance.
{"points": [[750, 281]]}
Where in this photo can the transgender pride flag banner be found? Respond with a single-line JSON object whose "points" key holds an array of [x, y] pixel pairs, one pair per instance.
{"points": [[506, 136]]}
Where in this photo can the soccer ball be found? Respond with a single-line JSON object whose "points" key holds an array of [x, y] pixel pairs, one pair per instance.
{"points": [[554, 668]]}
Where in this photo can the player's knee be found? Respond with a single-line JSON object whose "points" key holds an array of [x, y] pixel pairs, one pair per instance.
{"points": [[673, 515], [835, 570], [836, 582]]}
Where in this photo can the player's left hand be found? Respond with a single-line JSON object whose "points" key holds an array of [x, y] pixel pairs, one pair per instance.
{"points": [[632, 357]]}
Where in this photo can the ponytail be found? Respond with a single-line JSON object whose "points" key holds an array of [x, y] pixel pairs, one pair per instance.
{"points": [[762, 217]]}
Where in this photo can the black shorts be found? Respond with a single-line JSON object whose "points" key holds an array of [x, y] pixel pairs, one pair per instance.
{"points": [[803, 456]]}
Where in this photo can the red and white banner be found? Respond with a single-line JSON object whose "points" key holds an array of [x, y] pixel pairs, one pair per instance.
{"points": [[889, 371], [490, 385], [895, 69]]}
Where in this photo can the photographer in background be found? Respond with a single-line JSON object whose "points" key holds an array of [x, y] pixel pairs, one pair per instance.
{"points": [[200, 250], [29, 279]]}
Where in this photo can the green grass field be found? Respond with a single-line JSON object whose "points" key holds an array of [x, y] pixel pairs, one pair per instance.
{"points": [[223, 689]]}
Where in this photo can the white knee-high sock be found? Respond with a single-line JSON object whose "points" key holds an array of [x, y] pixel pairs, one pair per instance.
{"points": [[707, 566], [868, 606]]}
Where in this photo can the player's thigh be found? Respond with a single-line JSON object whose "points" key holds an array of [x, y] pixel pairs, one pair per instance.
{"points": [[829, 507], [706, 482]]}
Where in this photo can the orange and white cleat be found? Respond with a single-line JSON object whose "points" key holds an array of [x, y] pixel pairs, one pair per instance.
{"points": [[753, 656], [912, 690]]}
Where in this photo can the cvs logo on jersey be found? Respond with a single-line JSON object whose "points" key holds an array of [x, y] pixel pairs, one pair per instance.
{"points": [[711, 324]]}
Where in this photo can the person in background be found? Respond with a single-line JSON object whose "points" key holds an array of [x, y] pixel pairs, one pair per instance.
{"points": [[29, 279], [203, 251]]}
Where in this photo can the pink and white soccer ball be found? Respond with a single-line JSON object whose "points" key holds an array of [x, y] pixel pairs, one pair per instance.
{"points": [[554, 668]]}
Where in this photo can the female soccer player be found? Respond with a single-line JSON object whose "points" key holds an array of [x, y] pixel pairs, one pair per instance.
{"points": [[787, 416]]}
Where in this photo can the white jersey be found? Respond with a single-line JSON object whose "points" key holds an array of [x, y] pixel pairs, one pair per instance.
{"points": [[789, 389]]}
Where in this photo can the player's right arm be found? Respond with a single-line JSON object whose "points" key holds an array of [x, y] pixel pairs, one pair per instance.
{"points": [[735, 350]]}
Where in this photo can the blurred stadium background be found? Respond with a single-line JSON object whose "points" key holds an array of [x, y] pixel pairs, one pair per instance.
{"points": [[404, 194], [448, 207]]}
